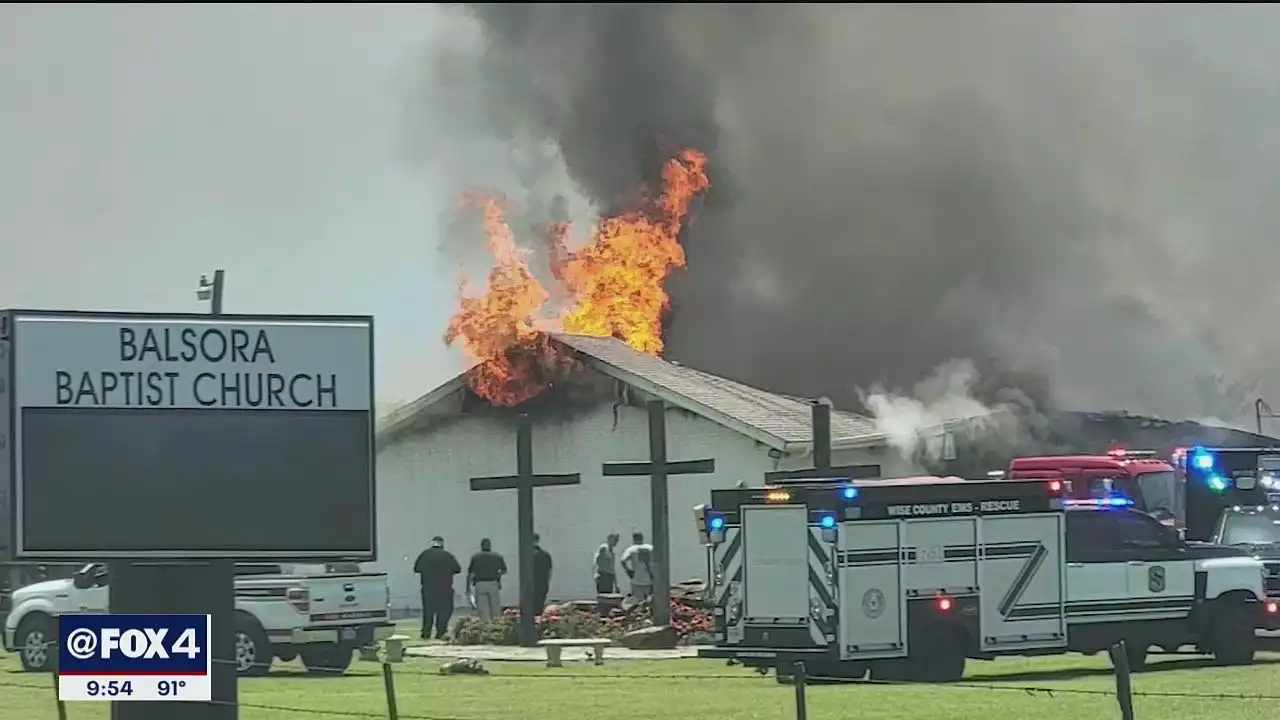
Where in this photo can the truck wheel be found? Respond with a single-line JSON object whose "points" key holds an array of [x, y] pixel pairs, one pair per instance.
{"points": [[253, 649], [1231, 632], [37, 641], [328, 659]]}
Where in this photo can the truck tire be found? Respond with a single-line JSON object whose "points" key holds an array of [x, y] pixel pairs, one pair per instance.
{"points": [[253, 649], [327, 659], [37, 643], [1231, 632]]}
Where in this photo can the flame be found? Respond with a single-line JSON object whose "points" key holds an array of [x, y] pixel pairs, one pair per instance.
{"points": [[614, 285]]}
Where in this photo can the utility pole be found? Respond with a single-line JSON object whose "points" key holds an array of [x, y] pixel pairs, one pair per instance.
{"points": [[1262, 410], [212, 291]]}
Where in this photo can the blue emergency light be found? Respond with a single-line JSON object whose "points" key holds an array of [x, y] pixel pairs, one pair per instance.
{"points": [[827, 521], [1217, 483], [1201, 460], [1110, 501], [717, 523], [850, 493]]}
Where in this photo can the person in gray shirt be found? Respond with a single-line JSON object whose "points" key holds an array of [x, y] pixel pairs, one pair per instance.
{"points": [[637, 563], [604, 566]]}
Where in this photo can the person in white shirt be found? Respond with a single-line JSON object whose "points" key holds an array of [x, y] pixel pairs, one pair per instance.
{"points": [[637, 562]]}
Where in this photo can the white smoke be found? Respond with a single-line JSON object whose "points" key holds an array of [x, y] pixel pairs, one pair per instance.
{"points": [[925, 424]]}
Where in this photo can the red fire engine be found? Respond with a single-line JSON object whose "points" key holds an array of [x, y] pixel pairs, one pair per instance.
{"points": [[1137, 475]]}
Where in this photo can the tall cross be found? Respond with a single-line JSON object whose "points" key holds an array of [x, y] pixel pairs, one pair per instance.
{"points": [[659, 469], [523, 482], [822, 468]]}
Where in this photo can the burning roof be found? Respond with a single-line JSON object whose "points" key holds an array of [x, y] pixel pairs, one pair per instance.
{"points": [[778, 421], [613, 285]]}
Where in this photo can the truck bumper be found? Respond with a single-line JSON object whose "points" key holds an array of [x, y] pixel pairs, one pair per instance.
{"points": [[357, 635], [767, 656]]}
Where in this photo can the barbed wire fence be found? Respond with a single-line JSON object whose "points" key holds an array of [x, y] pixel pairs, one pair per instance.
{"points": [[799, 679]]}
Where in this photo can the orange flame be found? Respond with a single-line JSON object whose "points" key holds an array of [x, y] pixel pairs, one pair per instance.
{"points": [[614, 285]]}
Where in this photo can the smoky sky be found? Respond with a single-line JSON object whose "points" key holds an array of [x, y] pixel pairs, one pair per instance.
{"points": [[1080, 199]]}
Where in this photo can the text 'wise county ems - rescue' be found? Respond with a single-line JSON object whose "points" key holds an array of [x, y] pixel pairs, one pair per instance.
{"points": [[211, 346], [954, 508]]}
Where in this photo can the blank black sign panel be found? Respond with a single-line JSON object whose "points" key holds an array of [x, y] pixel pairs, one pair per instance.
{"points": [[197, 480]]}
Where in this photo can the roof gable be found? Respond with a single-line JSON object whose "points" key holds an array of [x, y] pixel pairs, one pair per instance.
{"points": [[778, 421]]}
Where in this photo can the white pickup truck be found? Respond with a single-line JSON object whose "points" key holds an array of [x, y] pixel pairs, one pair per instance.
{"points": [[321, 618]]}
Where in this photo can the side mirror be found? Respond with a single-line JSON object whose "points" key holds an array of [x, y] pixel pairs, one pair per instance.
{"points": [[82, 580]]}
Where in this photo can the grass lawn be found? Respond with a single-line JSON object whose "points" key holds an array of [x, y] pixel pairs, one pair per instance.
{"points": [[679, 689]]}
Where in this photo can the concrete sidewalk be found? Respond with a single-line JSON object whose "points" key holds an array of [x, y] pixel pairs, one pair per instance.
{"points": [[506, 653]]}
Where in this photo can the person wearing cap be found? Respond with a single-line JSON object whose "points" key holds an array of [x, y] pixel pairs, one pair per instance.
{"points": [[436, 568]]}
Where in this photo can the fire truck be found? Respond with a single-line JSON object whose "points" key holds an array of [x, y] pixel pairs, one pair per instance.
{"points": [[907, 579], [1139, 475]]}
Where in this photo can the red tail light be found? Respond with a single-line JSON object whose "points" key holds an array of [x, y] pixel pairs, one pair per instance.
{"points": [[299, 598], [944, 603]]}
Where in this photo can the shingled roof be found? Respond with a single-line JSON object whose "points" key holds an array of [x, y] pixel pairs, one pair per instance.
{"points": [[778, 421]]}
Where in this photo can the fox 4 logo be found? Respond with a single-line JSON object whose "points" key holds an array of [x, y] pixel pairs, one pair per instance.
{"points": [[147, 643]]}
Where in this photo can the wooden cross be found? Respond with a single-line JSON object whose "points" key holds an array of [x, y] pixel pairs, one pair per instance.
{"points": [[659, 469], [523, 482], [822, 468]]}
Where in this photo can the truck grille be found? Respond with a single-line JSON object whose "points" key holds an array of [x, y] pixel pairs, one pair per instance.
{"points": [[1271, 578]]}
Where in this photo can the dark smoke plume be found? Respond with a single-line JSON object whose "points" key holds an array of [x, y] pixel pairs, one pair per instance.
{"points": [[1078, 199]]}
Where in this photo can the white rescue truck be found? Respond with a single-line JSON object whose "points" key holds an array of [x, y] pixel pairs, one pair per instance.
{"points": [[908, 578]]}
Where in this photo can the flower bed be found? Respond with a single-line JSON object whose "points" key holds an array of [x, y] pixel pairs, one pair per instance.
{"points": [[690, 619]]}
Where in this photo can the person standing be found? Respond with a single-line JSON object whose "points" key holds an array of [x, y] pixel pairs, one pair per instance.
{"points": [[604, 566], [541, 575], [637, 563], [436, 568], [484, 579]]}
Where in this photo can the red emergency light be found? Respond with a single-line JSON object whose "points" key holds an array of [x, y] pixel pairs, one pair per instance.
{"points": [[1122, 453], [1055, 486], [1273, 607], [944, 603]]}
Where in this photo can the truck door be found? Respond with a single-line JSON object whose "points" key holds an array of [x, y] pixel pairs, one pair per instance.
{"points": [[1097, 570], [872, 604], [1021, 578], [775, 568], [1161, 578]]}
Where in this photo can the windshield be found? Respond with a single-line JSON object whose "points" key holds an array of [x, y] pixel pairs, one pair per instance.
{"points": [[1160, 492], [1250, 529]]}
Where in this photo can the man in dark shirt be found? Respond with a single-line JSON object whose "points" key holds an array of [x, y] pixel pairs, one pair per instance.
{"points": [[484, 580], [541, 575], [436, 568]]}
